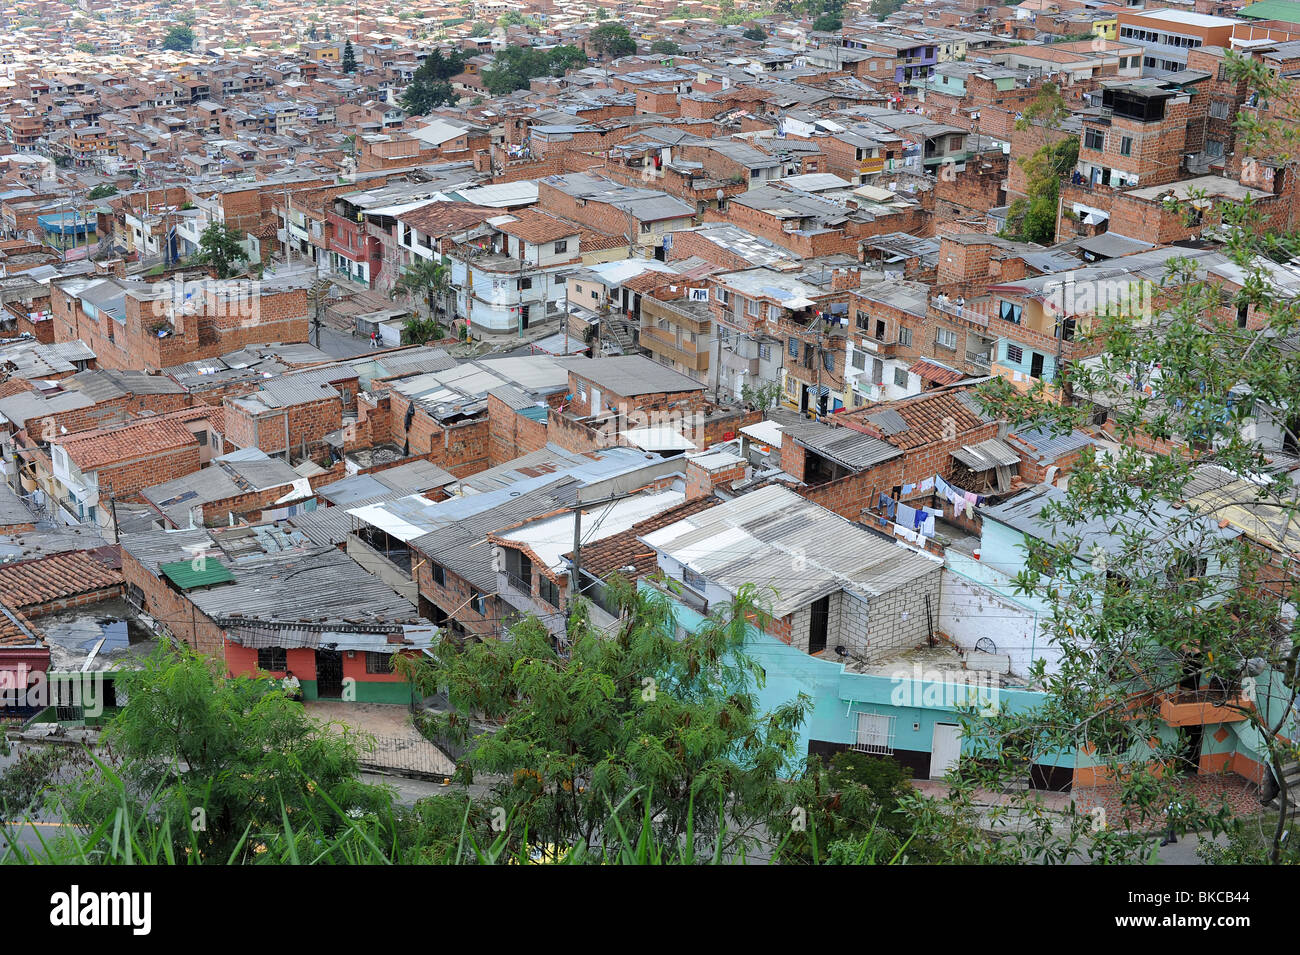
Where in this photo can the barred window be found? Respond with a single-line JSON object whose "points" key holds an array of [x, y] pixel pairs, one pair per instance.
{"points": [[272, 659], [378, 663]]}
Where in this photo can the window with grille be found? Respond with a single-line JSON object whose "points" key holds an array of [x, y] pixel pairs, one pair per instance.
{"points": [[562, 245], [1094, 139], [436, 572], [693, 580], [794, 348], [272, 659], [378, 663], [1015, 354], [859, 360], [875, 734], [548, 591], [1010, 312], [904, 336], [900, 377]]}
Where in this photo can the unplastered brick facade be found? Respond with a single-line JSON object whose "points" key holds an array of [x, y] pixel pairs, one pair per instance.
{"points": [[173, 611], [214, 323], [455, 599], [460, 447], [512, 434], [291, 429], [126, 479]]}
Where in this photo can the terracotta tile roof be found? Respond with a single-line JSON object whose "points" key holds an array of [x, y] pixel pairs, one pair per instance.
{"points": [[90, 450], [936, 373], [599, 242], [536, 227], [31, 583], [647, 281], [611, 554], [16, 630], [927, 417], [445, 217]]}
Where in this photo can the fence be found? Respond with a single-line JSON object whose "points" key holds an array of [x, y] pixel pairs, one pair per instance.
{"points": [[404, 754]]}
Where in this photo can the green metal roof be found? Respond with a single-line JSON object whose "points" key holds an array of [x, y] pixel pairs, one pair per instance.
{"points": [[1285, 10], [200, 572], [534, 412]]}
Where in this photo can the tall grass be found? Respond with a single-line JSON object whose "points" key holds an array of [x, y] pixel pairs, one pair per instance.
{"points": [[130, 835]]}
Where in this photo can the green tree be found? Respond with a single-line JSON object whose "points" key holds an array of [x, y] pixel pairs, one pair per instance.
{"points": [[349, 58], [430, 87], [430, 281], [761, 397], [102, 192], [480, 29], [1155, 598], [219, 247], [754, 33], [602, 13], [1033, 219], [827, 23], [222, 764], [86, 47], [883, 9], [667, 47], [609, 41], [178, 38], [566, 57], [615, 729], [510, 18], [420, 331], [513, 67]]}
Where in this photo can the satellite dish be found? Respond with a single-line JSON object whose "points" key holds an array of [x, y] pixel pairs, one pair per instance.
{"points": [[985, 645]]}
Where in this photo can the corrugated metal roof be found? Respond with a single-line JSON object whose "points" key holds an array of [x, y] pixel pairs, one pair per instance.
{"points": [[986, 455], [1047, 446], [199, 572], [757, 538], [845, 446]]}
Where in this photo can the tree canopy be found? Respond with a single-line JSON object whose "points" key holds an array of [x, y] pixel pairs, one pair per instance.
{"points": [[430, 87], [179, 37], [609, 41], [219, 247]]}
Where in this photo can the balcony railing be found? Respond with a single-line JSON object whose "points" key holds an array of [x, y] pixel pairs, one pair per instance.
{"points": [[969, 312], [518, 583]]}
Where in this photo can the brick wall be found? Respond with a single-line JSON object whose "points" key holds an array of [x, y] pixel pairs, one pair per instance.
{"points": [[125, 480], [511, 434], [305, 424], [462, 447], [172, 609]]}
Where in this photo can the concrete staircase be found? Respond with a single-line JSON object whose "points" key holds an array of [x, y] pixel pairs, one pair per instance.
{"points": [[617, 336]]}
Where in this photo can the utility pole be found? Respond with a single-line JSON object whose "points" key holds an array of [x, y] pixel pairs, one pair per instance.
{"points": [[112, 507], [575, 586]]}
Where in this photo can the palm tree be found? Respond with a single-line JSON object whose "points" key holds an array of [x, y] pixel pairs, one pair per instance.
{"points": [[429, 279]]}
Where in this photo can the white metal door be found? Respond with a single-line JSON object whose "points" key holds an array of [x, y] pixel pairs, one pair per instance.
{"points": [[595, 400], [944, 749]]}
